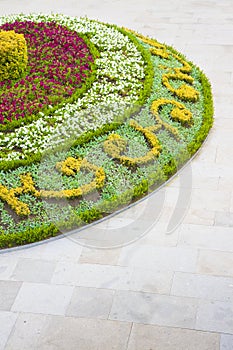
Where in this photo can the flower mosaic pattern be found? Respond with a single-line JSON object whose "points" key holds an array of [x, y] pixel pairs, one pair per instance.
{"points": [[95, 162]]}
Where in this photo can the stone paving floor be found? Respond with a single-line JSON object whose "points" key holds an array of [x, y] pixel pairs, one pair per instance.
{"points": [[163, 291]]}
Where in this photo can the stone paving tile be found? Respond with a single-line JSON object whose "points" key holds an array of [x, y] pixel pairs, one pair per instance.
{"points": [[216, 170], [224, 123], [7, 265], [215, 62], [204, 182], [8, 293], [219, 78], [34, 252], [226, 342], [88, 275], [43, 298], [61, 249], [225, 182], [157, 235], [207, 237], [33, 270], [99, 256], [221, 138], [114, 277], [150, 280], [149, 337], [224, 155], [90, 303], [172, 194], [215, 316], [154, 309], [222, 89], [28, 331], [202, 286], [215, 263], [7, 321], [220, 99], [224, 219], [210, 200], [54, 250], [223, 108], [218, 19], [224, 37], [67, 333], [208, 153], [163, 258], [166, 214], [199, 217]]}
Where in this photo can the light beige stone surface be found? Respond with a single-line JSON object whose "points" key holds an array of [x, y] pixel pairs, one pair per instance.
{"points": [[7, 321], [8, 293], [91, 275], [215, 263], [33, 270], [150, 280], [151, 308], [164, 258], [43, 298], [90, 303], [206, 237], [199, 217], [99, 256], [7, 266], [54, 332], [148, 337], [215, 316], [158, 235], [224, 219], [202, 286], [226, 342]]}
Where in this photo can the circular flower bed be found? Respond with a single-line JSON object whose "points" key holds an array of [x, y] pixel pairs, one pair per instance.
{"points": [[101, 116]]}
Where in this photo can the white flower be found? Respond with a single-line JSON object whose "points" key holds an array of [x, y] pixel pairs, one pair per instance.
{"points": [[120, 69]]}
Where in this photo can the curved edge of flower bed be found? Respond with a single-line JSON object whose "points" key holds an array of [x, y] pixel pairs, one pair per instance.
{"points": [[45, 232], [207, 115]]}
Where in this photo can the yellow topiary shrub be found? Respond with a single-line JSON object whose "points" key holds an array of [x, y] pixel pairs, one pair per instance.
{"points": [[13, 55]]}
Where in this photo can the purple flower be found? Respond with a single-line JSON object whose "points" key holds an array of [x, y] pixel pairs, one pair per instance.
{"points": [[58, 63]]}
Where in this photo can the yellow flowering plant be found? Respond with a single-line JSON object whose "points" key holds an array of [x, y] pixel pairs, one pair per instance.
{"points": [[13, 57]]}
